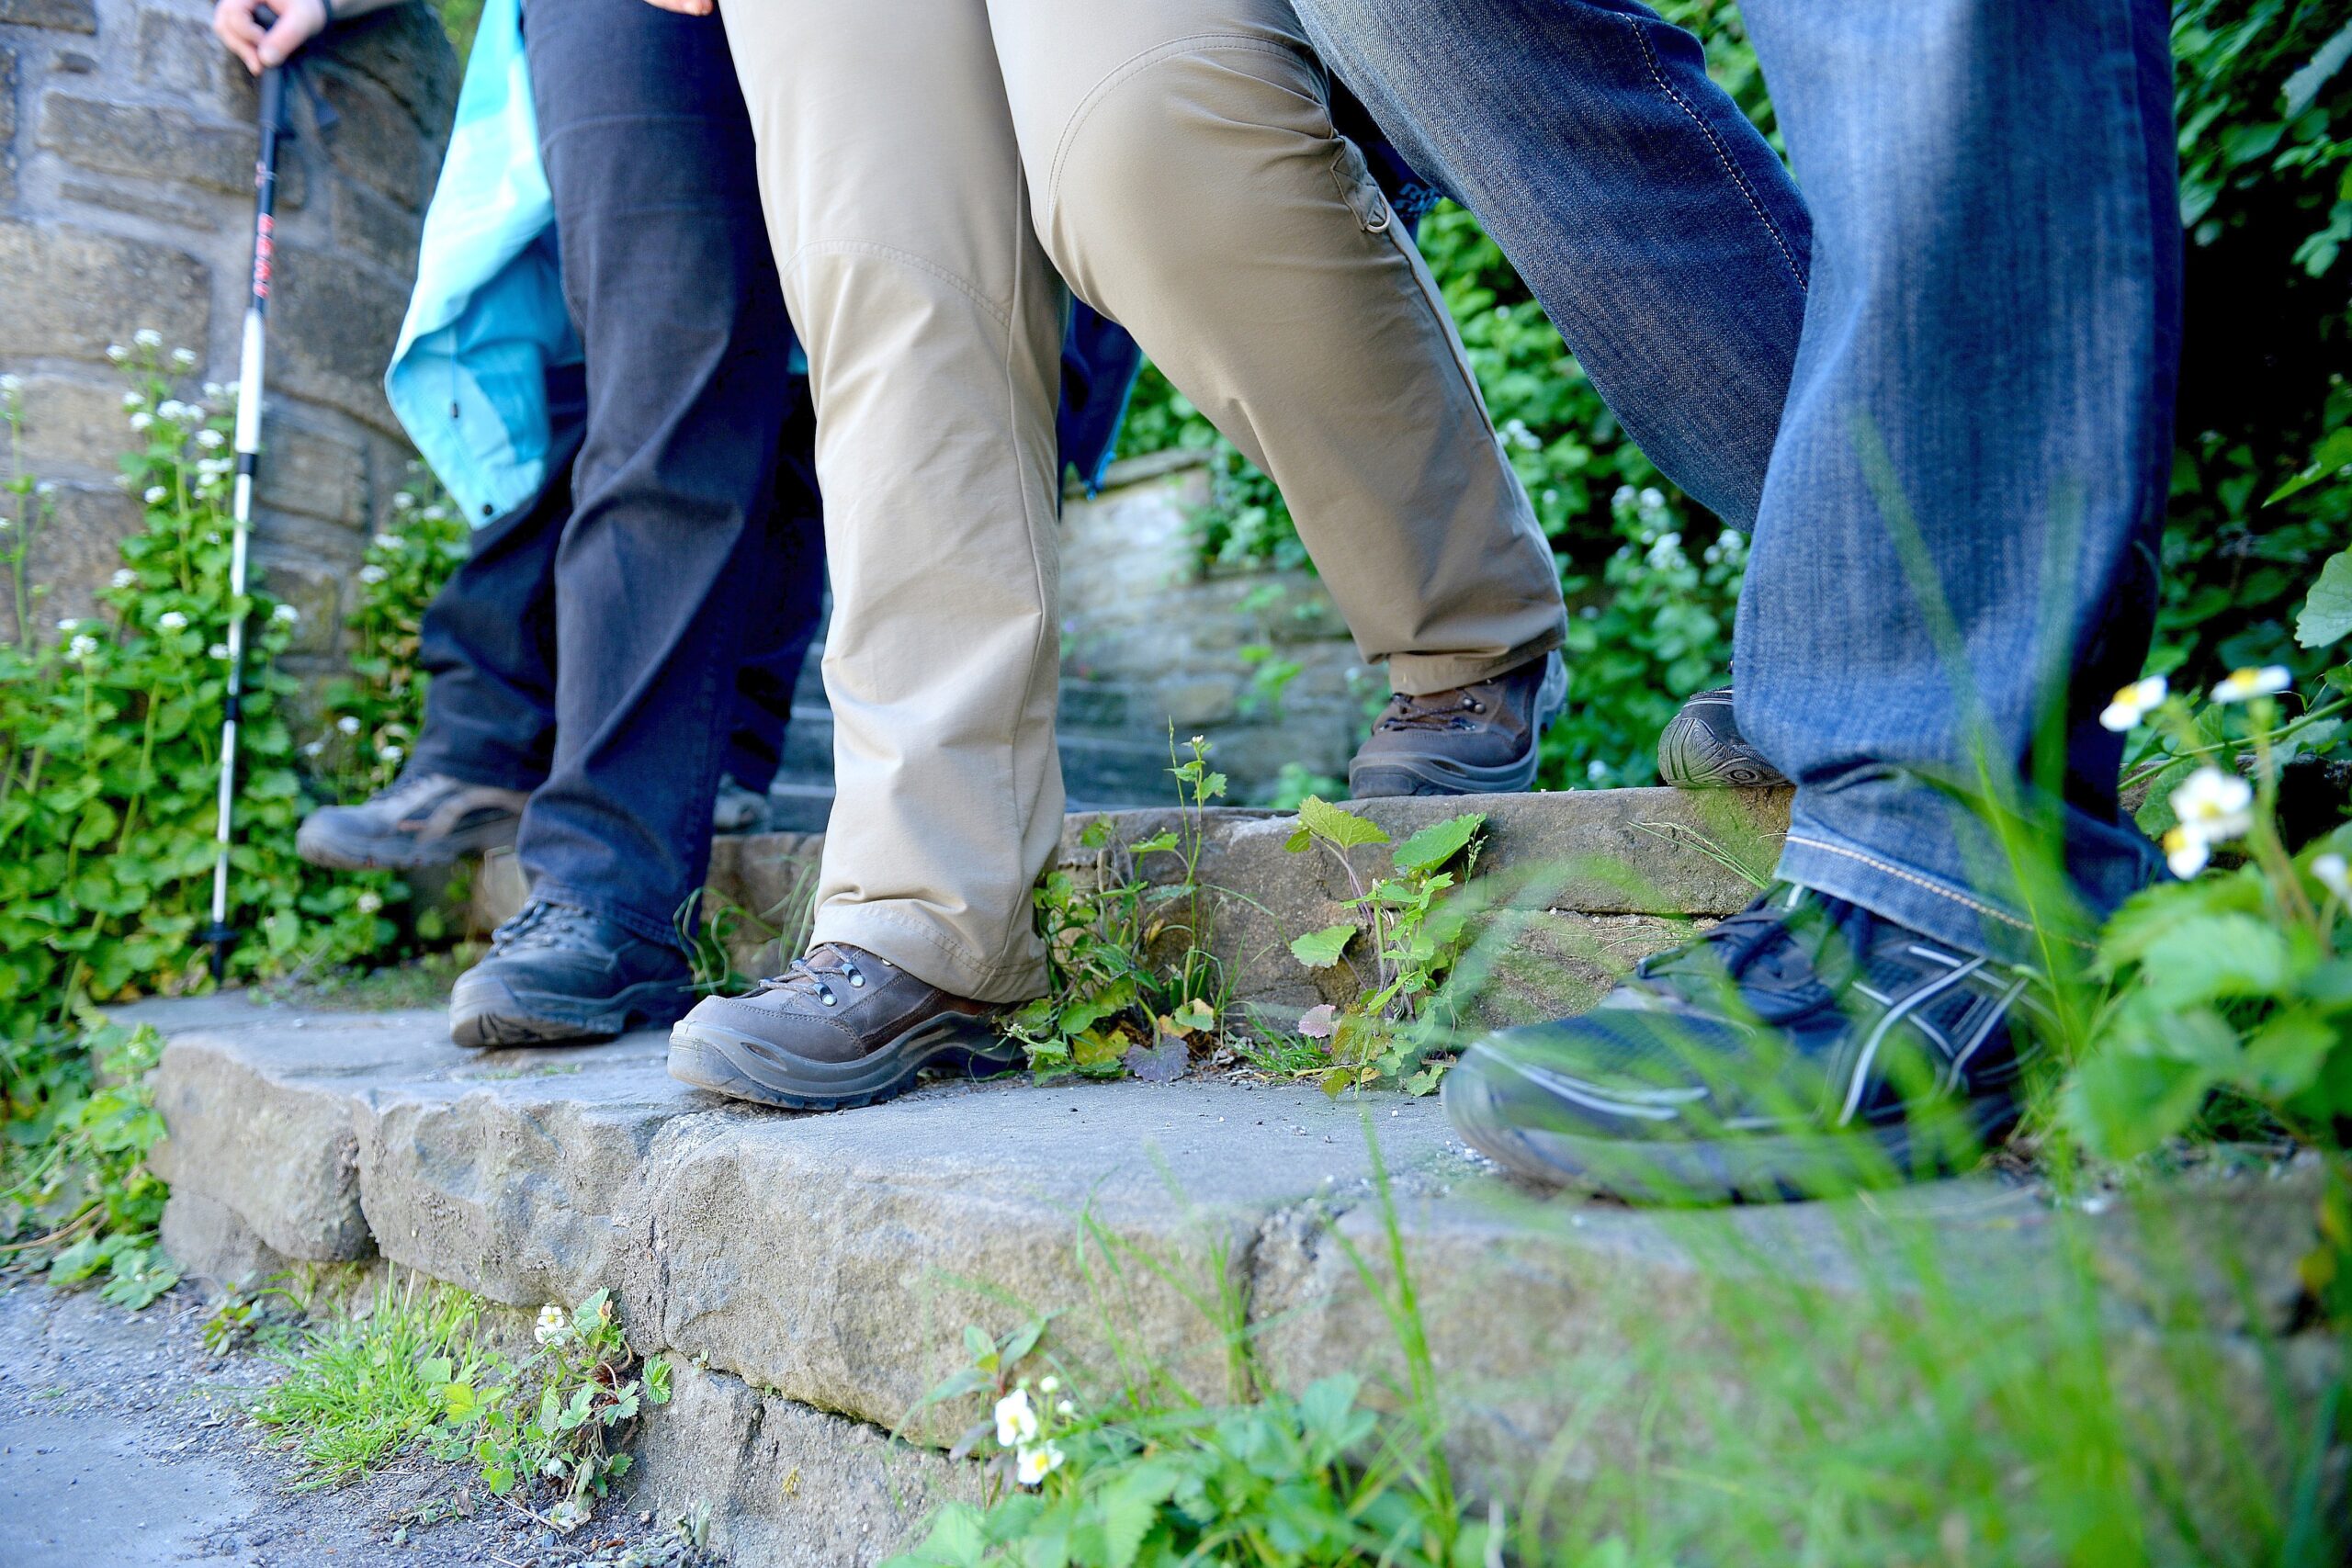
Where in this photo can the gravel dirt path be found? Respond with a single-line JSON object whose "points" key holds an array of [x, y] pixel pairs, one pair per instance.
{"points": [[124, 1444]]}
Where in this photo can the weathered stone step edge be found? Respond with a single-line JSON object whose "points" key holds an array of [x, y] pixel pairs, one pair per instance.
{"points": [[1571, 888], [834, 1260]]}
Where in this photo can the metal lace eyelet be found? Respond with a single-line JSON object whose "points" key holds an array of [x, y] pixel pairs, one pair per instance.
{"points": [[825, 995]]}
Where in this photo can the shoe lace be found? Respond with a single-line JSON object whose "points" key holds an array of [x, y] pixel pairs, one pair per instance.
{"points": [[410, 788], [1787, 937], [1433, 710], [543, 926], [803, 975]]}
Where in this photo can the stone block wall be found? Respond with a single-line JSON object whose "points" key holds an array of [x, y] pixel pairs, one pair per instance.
{"points": [[1150, 638], [127, 151]]}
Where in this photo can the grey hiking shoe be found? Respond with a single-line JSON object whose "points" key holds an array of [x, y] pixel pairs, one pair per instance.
{"points": [[1702, 748], [841, 1028], [560, 976], [422, 820], [1476, 739], [737, 809]]}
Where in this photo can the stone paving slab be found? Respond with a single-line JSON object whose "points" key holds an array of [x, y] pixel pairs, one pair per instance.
{"points": [[827, 1264]]}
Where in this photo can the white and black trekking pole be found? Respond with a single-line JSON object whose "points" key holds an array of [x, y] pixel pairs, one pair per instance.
{"points": [[221, 935]]}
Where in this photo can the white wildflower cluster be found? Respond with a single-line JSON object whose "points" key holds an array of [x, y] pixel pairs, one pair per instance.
{"points": [[83, 647], [218, 650], [148, 337], [10, 385], [2213, 807], [285, 615], [172, 621], [185, 358], [2245, 685], [211, 439], [2134, 703], [155, 494], [368, 903], [347, 725], [1019, 1428], [124, 576], [372, 574]]}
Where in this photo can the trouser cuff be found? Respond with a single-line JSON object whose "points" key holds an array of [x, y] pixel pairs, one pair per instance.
{"points": [[1926, 902], [901, 934], [1418, 674]]}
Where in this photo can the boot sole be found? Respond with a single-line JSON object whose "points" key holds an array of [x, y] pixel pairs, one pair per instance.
{"points": [[1434, 772], [493, 1014], [728, 1062], [323, 846], [1691, 755], [1741, 1167]]}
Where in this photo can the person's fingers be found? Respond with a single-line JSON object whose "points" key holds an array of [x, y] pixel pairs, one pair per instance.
{"points": [[297, 22], [685, 7], [232, 23]]}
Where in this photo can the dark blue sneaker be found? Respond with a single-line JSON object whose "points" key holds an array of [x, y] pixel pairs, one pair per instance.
{"points": [[560, 976], [1802, 1047]]}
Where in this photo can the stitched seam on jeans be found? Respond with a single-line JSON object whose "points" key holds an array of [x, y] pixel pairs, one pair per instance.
{"points": [[1723, 153], [905, 258], [1134, 66], [1987, 911]]}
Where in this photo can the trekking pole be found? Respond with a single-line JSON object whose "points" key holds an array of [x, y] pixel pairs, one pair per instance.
{"points": [[274, 128]]}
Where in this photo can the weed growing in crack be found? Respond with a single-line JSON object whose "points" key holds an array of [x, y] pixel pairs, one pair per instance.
{"points": [[1414, 937]]}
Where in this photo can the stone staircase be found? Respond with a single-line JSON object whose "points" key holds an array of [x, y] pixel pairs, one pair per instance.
{"points": [[811, 1274]]}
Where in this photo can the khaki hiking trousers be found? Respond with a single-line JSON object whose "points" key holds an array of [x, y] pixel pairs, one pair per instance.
{"points": [[933, 170]]}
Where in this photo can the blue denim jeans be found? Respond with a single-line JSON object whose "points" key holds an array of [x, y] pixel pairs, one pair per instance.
{"points": [[668, 567], [1955, 555]]}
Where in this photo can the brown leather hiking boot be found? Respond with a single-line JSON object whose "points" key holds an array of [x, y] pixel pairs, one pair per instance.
{"points": [[422, 820], [1476, 739], [841, 1028]]}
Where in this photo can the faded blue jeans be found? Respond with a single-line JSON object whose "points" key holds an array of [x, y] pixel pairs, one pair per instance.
{"points": [[1956, 548]]}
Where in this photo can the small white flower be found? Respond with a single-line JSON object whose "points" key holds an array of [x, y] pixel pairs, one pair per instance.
{"points": [[387, 541], [185, 358], [210, 440], [1036, 1463], [155, 494], [218, 650], [2239, 685], [173, 409], [123, 578], [82, 646], [2215, 805], [2134, 703], [314, 748], [1049, 1384], [402, 501], [117, 352], [1064, 1407], [215, 391], [142, 420], [285, 615], [68, 623], [46, 486], [1016, 1423], [148, 337], [1596, 770], [436, 514], [390, 754], [372, 574], [348, 723], [367, 904], [11, 384], [133, 401], [172, 621], [555, 1324], [2185, 851], [2334, 876]]}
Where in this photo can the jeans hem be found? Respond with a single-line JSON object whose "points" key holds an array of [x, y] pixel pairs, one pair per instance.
{"points": [[1912, 897], [917, 946]]}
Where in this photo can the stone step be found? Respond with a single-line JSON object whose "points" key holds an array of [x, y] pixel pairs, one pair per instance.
{"points": [[816, 1271]]}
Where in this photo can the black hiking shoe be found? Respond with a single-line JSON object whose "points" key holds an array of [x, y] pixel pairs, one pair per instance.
{"points": [[841, 1028], [1476, 739], [1702, 748], [422, 820], [560, 976], [1802, 1047], [738, 808]]}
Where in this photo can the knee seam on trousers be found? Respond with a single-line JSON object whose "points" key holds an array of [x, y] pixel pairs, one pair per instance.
{"points": [[905, 258], [1126, 71], [1723, 155]]}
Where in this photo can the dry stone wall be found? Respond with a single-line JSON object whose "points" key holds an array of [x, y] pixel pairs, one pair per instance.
{"points": [[126, 150]]}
